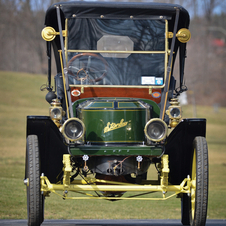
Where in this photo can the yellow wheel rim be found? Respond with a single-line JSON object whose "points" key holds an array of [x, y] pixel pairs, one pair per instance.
{"points": [[193, 185]]}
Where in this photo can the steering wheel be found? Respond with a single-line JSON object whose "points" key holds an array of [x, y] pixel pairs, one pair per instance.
{"points": [[89, 69]]}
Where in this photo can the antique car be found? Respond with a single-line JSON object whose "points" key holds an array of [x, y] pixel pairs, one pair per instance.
{"points": [[114, 110]]}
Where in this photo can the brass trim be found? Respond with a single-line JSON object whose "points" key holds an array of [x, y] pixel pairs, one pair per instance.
{"points": [[166, 95], [166, 48], [64, 83], [118, 86], [117, 141], [116, 51], [66, 41], [143, 109]]}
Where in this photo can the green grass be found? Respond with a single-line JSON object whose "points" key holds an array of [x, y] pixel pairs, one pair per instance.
{"points": [[20, 96]]}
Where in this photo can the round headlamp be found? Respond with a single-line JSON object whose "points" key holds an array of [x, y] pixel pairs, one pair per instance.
{"points": [[155, 130], [175, 112], [73, 129], [56, 113]]}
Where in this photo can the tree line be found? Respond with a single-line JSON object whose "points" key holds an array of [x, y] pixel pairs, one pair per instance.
{"points": [[23, 49]]}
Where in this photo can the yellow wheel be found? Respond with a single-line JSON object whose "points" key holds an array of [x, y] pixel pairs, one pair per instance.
{"points": [[194, 207]]}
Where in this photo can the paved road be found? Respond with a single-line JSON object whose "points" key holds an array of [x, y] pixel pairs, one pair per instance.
{"points": [[108, 222]]}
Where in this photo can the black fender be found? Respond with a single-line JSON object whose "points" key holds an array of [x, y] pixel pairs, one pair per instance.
{"points": [[179, 147], [51, 145]]}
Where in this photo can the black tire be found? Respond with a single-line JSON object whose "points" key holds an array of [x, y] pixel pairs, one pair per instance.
{"points": [[35, 200], [194, 208], [185, 209]]}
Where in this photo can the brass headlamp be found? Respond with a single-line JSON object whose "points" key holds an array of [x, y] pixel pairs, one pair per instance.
{"points": [[56, 112], [155, 130], [174, 112], [73, 129]]}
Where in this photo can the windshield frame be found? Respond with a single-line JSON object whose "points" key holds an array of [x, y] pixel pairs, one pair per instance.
{"points": [[82, 87], [150, 87]]}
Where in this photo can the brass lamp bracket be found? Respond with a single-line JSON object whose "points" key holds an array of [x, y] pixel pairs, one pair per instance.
{"points": [[49, 33]]}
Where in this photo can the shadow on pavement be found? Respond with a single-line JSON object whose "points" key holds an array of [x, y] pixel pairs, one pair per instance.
{"points": [[148, 222]]}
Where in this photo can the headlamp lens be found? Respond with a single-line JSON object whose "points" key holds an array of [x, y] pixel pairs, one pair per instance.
{"points": [[55, 113], [175, 112], [156, 130], [73, 129]]}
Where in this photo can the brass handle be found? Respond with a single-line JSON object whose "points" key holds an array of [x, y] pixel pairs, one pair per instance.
{"points": [[183, 35], [49, 33]]}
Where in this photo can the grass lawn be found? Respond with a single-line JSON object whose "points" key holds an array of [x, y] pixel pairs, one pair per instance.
{"points": [[21, 96]]}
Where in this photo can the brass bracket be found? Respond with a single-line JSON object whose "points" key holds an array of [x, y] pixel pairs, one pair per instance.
{"points": [[150, 90], [82, 89], [67, 169], [169, 34], [164, 173]]}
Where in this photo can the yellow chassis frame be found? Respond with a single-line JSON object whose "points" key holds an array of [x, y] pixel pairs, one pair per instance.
{"points": [[89, 184]]}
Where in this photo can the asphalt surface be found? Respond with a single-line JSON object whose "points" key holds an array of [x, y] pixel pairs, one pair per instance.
{"points": [[108, 222]]}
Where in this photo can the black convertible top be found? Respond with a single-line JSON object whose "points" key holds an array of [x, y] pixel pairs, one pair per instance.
{"points": [[117, 10]]}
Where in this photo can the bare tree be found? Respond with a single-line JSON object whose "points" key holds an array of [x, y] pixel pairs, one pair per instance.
{"points": [[22, 48], [209, 7]]}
